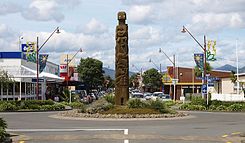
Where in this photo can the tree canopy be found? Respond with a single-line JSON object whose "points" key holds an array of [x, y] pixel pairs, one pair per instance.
{"points": [[152, 79], [5, 78], [91, 72]]}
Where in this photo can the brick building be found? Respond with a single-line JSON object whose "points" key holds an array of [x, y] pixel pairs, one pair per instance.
{"points": [[188, 84]]}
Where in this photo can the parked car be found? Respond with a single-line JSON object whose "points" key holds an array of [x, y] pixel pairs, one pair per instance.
{"points": [[160, 95], [87, 99], [147, 95], [137, 95]]}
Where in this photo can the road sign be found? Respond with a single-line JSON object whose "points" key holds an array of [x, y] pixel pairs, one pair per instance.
{"points": [[210, 84], [39, 80], [204, 88], [174, 81]]}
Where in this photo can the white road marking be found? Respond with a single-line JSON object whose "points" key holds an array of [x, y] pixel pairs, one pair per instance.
{"points": [[125, 131], [61, 130], [23, 113]]}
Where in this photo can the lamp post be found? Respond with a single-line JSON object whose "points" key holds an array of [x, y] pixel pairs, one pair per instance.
{"points": [[37, 54], [160, 71], [139, 70], [204, 50], [173, 62], [151, 61], [68, 61]]}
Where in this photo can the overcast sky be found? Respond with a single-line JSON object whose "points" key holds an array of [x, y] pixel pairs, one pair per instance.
{"points": [[153, 24]]}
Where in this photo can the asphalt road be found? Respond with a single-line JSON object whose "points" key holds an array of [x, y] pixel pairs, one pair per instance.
{"points": [[203, 127]]}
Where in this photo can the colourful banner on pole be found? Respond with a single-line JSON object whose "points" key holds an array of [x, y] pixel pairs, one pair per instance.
{"points": [[211, 51], [30, 51], [28, 46], [199, 59], [42, 61], [166, 78]]}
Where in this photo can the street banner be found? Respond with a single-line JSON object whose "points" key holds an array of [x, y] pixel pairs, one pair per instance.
{"points": [[28, 47], [199, 59], [42, 61], [211, 51], [166, 78], [29, 50], [171, 72]]}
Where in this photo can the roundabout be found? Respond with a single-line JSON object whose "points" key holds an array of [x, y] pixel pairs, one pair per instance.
{"points": [[204, 127]]}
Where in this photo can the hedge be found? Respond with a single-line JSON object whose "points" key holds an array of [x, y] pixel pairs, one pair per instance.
{"points": [[30, 105], [198, 104]]}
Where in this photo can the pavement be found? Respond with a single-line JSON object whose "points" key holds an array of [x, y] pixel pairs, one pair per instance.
{"points": [[202, 127]]}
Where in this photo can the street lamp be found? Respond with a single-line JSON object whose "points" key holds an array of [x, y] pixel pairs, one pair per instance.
{"points": [[184, 30], [173, 62], [68, 61], [139, 70], [37, 54], [151, 61]]}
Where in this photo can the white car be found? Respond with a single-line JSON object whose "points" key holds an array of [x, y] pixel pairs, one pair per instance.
{"points": [[147, 95]]}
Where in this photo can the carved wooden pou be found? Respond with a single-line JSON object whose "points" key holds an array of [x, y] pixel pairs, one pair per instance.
{"points": [[122, 62]]}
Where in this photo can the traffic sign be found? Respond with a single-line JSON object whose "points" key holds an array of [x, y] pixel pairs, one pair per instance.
{"points": [[204, 88], [39, 80], [211, 84]]}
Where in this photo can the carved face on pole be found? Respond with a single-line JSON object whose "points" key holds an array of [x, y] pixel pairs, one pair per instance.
{"points": [[121, 16]]}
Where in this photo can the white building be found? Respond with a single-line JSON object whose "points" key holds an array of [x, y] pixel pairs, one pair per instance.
{"points": [[24, 74]]}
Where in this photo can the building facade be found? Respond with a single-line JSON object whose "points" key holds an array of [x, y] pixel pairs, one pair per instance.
{"points": [[187, 84], [24, 74]]}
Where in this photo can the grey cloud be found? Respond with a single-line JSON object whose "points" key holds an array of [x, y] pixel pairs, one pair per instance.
{"points": [[139, 2], [6, 32], [34, 14], [8, 8], [92, 27]]}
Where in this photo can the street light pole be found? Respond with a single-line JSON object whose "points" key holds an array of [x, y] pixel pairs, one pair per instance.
{"points": [[174, 71], [204, 48], [37, 58], [150, 60], [67, 66]]}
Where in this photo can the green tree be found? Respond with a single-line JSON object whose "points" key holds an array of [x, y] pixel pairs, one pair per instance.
{"points": [[133, 80], [5, 79], [152, 79], [198, 72], [108, 82], [233, 77], [91, 72], [3, 133]]}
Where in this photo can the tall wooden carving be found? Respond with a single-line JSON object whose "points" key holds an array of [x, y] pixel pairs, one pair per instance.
{"points": [[122, 63]]}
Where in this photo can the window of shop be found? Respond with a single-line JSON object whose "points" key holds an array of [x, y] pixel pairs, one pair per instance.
{"points": [[23, 88], [17, 88], [28, 88], [5, 91], [10, 89]]}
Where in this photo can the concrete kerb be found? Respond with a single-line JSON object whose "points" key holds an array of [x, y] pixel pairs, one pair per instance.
{"points": [[120, 119]]}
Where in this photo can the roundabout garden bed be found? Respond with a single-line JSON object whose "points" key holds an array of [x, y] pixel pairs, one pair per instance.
{"points": [[135, 108]]}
